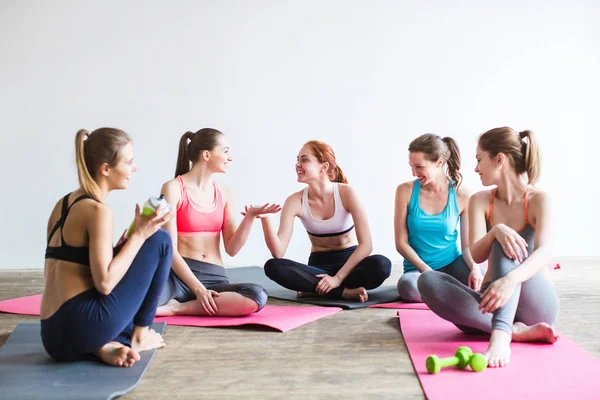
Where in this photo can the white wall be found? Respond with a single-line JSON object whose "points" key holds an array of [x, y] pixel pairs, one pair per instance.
{"points": [[365, 76]]}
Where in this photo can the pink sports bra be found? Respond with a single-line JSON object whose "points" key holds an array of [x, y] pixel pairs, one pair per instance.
{"points": [[197, 220]]}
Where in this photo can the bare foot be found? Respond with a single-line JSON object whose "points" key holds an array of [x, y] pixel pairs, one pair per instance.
{"points": [[151, 340], [117, 354], [306, 294], [498, 351], [541, 332], [359, 294], [167, 309]]}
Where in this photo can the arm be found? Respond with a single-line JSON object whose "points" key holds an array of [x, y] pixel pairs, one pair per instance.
{"points": [[234, 238], [540, 257], [107, 271], [475, 277], [403, 193], [463, 199], [363, 232], [481, 242], [278, 242]]}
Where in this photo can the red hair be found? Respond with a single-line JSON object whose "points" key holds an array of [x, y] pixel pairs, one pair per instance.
{"points": [[324, 153]]}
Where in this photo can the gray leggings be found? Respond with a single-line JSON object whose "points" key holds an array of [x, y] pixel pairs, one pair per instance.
{"points": [[213, 277], [532, 301], [407, 285]]}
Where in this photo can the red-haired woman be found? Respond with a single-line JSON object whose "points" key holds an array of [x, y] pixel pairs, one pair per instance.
{"points": [[340, 263]]}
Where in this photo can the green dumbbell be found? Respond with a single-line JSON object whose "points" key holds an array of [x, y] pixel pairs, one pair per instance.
{"points": [[464, 356], [478, 362], [461, 359]]}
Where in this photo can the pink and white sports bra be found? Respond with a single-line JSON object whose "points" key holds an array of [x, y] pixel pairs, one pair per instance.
{"points": [[339, 224]]}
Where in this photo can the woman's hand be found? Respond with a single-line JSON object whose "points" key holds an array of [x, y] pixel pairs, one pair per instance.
{"points": [[147, 226], [205, 299], [512, 243], [261, 211], [497, 294], [327, 283], [475, 278]]}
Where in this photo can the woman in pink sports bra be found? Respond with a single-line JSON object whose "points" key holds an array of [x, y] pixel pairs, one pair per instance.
{"points": [[509, 226], [340, 263], [198, 284]]}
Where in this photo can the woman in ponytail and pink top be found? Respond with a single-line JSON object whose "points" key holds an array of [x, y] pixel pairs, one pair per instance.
{"points": [[198, 283], [340, 263]]}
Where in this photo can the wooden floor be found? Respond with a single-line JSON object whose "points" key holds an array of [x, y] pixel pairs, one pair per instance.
{"points": [[351, 354]]}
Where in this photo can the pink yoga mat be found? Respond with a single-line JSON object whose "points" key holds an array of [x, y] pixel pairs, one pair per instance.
{"points": [[401, 305], [28, 305], [536, 371], [281, 318]]}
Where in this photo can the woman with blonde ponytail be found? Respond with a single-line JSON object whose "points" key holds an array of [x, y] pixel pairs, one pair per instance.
{"points": [[198, 283], [99, 299], [340, 263], [427, 214], [509, 226]]}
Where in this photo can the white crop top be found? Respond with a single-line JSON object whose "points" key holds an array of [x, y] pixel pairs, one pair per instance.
{"points": [[339, 224]]}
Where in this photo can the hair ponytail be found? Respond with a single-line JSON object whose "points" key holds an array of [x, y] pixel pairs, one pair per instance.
{"points": [[183, 159], [339, 176], [101, 147], [189, 153], [521, 148], [87, 183], [531, 154], [453, 162]]}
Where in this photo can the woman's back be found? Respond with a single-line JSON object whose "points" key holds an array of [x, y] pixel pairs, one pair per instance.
{"points": [[65, 279]]}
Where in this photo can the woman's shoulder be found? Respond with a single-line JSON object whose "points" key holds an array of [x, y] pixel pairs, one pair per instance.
{"points": [[537, 197], [482, 197], [405, 189]]}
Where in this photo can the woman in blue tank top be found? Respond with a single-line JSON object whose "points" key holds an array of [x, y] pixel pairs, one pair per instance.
{"points": [[427, 214]]}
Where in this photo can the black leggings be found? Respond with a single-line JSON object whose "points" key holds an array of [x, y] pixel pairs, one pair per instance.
{"points": [[369, 273]]}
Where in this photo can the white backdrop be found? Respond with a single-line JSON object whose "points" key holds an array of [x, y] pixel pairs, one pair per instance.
{"points": [[365, 76]]}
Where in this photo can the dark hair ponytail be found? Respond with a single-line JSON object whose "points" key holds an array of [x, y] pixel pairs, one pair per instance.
{"points": [[183, 160], [453, 162], [189, 153]]}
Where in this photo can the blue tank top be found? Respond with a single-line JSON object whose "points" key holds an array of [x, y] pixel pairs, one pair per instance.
{"points": [[433, 237]]}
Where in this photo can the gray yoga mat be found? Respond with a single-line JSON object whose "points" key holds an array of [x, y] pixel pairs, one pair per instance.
{"points": [[383, 294], [28, 372]]}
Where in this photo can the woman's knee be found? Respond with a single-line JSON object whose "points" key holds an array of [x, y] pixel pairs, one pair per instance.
{"points": [[160, 240], [273, 267], [407, 288], [427, 282], [380, 267], [256, 293]]}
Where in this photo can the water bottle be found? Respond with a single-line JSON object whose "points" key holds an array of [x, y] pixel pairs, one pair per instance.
{"points": [[150, 206]]}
